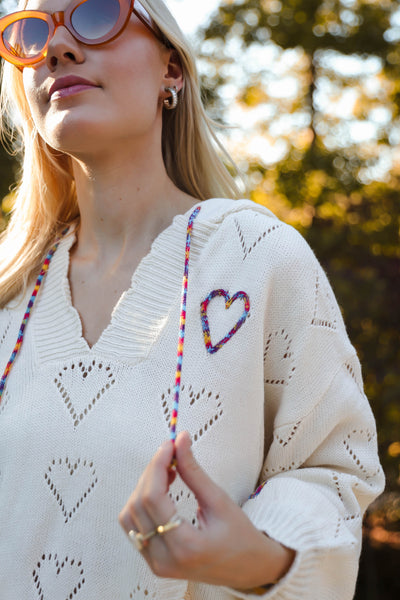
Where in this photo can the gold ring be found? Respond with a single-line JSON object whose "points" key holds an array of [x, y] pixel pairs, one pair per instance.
{"points": [[173, 523]]}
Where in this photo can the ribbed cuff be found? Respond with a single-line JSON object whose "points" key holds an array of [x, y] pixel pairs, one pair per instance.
{"points": [[294, 585], [300, 517]]}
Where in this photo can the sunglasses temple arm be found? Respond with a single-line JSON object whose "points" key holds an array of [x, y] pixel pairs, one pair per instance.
{"points": [[147, 23]]}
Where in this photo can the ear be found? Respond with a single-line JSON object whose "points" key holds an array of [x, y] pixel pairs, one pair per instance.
{"points": [[173, 75]]}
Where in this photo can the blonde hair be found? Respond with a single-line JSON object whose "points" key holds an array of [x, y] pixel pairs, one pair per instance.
{"points": [[45, 198]]}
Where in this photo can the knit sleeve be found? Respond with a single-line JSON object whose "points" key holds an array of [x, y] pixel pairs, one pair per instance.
{"points": [[321, 467]]}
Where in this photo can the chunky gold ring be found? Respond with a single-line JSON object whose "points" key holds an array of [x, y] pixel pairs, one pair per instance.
{"points": [[173, 523]]}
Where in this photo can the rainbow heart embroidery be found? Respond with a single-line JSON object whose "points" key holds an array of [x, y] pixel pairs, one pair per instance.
{"points": [[228, 303]]}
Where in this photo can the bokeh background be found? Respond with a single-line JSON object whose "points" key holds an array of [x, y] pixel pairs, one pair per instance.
{"points": [[307, 96]]}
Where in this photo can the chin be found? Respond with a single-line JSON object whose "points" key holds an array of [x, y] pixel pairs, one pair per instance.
{"points": [[87, 130], [75, 132]]}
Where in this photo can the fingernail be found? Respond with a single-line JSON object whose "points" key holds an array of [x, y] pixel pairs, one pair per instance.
{"points": [[189, 436], [163, 446]]}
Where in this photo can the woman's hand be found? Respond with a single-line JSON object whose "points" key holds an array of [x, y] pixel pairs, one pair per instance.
{"points": [[225, 549]]}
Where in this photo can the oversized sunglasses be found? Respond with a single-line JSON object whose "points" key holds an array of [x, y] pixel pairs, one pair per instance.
{"points": [[25, 35]]}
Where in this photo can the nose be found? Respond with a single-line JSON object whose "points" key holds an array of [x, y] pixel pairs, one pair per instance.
{"points": [[63, 48]]}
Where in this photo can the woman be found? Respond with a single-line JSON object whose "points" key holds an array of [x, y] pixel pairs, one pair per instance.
{"points": [[116, 145]]}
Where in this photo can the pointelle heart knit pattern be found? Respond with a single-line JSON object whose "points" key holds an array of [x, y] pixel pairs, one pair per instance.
{"points": [[271, 394]]}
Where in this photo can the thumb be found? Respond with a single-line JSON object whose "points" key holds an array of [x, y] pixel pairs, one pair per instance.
{"points": [[208, 494]]}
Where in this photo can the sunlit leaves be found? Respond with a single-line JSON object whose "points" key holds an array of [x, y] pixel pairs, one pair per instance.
{"points": [[333, 89]]}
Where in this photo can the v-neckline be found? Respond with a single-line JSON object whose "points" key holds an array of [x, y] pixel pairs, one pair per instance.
{"points": [[68, 290], [140, 314]]}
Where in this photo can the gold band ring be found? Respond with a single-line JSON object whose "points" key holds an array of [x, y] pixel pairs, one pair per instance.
{"points": [[141, 540], [173, 523]]}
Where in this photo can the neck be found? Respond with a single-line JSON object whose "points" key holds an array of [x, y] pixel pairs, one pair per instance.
{"points": [[125, 199]]}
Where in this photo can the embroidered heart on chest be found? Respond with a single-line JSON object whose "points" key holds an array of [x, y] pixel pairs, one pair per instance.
{"points": [[56, 577], [82, 385], [228, 303], [70, 483]]}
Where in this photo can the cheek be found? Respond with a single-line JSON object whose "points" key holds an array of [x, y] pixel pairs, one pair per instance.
{"points": [[139, 76], [134, 88], [135, 66]]}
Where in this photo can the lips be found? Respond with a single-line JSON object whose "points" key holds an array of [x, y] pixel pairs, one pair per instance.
{"points": [[70, 84]]}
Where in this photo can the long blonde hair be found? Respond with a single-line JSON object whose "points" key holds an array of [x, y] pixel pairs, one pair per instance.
{"points": [[45, 198]]}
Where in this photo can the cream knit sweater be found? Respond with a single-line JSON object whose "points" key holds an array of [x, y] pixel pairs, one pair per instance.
{"points": [[281, 400]]}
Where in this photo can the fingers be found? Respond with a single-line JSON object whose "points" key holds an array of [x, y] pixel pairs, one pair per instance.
{"points": [[149, 507], [183, 551], [150, 504], [208, 494], [127, 522]]}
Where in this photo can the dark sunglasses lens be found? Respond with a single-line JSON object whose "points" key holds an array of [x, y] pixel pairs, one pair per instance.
{"points": [[26, 38], [94, 19]]}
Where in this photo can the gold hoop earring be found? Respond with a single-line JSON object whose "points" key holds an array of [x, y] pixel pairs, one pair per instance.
{"points": [[172, 102]]}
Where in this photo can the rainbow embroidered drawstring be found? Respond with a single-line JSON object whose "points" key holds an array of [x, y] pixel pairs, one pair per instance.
{"points": [[182, 323], [31, 302], [258, 490]]}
